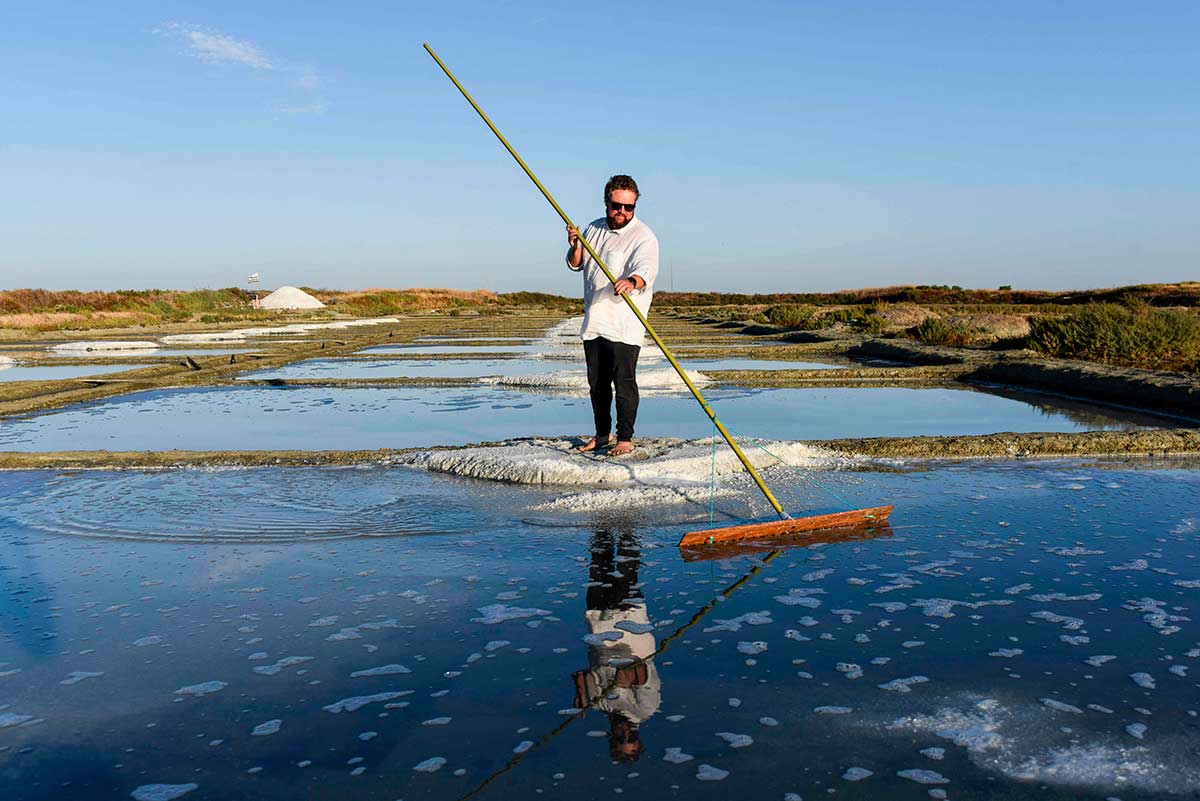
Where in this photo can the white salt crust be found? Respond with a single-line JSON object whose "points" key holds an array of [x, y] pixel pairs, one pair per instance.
{"points": [[670, 463]]}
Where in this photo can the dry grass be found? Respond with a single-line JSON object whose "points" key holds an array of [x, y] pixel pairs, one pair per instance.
{"points": [[990, 327], [904, 315], [58, 321]]}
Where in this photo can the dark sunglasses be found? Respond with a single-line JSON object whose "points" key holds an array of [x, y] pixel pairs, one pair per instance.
{"points": [[615, 206]]}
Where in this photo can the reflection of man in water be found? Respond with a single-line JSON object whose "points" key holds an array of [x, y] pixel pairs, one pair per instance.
{"points": [[618, 682]]}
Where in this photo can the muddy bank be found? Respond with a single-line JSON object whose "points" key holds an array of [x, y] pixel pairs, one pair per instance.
{"points": [[1142, 443], [1169, 392], [843, 377], [1125, 444]]}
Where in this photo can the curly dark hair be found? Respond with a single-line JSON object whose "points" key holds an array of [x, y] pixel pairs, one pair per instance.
{"points": [[620, 182]]}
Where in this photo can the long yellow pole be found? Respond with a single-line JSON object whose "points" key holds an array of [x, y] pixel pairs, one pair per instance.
{"points": [[708, 410]]}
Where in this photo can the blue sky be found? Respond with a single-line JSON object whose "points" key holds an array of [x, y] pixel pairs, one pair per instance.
{"points": [[779, 146]]}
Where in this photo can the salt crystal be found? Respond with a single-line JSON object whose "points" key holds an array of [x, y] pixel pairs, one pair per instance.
{"points": [[707, 773], [162, 792], [268, 728], [923, 776]]}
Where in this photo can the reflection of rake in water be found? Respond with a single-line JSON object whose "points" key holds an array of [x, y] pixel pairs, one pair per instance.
{"points": [[786, 524], [726, 552]]}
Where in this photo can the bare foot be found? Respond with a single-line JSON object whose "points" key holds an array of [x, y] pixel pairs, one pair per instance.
{"points": [[592, 445], [621, 448]]}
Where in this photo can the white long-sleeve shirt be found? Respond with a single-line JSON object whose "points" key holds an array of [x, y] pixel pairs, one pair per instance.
{"points": [[628, 251]]}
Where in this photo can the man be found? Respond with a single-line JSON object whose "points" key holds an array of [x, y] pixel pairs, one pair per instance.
{"points": [[611, 332]]}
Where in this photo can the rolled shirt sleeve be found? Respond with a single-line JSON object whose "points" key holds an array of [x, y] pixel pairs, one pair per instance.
{"points": [[643, 262]]}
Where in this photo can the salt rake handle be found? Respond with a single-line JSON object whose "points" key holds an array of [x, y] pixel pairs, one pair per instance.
{"points": [[629, 301]]}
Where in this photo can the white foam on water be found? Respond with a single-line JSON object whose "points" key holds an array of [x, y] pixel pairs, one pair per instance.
{"points": [[1020, 743], [632, 497], [501, 613], [1059, 706], [903, 685], [652, 380], [285, 662], [1144, 680], [857, 774], [11, 719], [923, 776], [1137, 730], [204, 688], [382, 670], [430, 765], [676, 755], [655, 462], [79, 675], [267, 729], [707, 773], [162, 792], [736, 740], [359, 701]]}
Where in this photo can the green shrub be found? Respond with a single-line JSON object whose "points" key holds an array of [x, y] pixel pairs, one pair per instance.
{"points": [[874, 324], [790, 315], [1136, 335], [936, 331]]}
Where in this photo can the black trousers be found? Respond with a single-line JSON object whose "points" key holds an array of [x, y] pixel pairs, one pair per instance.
{"points": [[612, 364], [616, 558]]}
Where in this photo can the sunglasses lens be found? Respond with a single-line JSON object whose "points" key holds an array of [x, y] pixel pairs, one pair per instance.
{"points": [[619, 206]]}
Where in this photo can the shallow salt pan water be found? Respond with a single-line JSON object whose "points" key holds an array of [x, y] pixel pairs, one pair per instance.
{"points": [[56, 373], [447, 658], [455, 350], [326, 418], [475, 368]]}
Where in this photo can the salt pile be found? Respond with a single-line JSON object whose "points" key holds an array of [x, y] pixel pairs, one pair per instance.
{"points": [[655, 462], [84, 347], [289, 297]]}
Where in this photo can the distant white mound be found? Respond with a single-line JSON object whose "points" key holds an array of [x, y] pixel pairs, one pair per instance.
{"points": [[102, 345], [656, 379], [7, 362], [660, 462], [289, 297]]}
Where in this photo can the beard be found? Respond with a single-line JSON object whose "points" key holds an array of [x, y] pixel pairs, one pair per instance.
{"points": [[615, 226]]}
